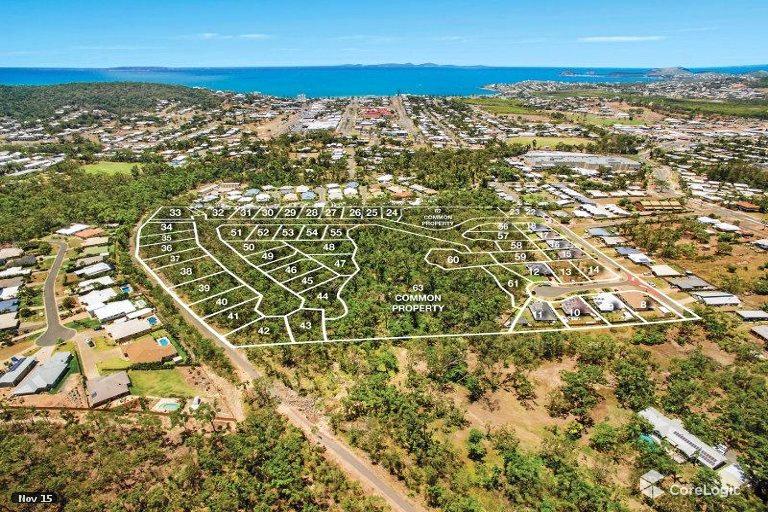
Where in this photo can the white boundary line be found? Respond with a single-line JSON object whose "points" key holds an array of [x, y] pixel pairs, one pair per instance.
{"points": [[325, 339], [215, 295]]}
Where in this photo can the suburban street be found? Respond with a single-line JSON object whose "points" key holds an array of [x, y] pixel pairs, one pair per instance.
{"points": [[55, 330]]}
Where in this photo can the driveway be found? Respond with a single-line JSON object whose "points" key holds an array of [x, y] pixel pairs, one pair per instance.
{"points": [[55, 330]]}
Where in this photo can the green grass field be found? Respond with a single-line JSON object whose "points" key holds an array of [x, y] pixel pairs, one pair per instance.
{"points": [[757, 109], [83, 324], [108, 168], [102, 343], [160, 383], [502, 106], [96, 249], [113, 364], [602, 121], [548, 142]]}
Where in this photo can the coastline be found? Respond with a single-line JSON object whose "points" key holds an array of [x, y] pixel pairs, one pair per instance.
{"points": [[347, 80]]}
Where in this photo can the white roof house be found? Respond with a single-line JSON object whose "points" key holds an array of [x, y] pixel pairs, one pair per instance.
{"points": [[93, 270], [129, 328], [10, 252], [664, 271], [639, 258], [71, 230], [9, 320], [97, 298], [90, 284], [114, 310], [139, 313], [728, 228], [607, 302], [672, 431], [15, 271], [10, 292], [751, 315]]}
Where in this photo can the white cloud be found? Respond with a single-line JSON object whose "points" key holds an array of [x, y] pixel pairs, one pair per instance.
{"points": [[620, 39], [255, 37], [207, 36]]}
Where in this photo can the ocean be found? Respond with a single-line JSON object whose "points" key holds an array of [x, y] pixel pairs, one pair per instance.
{"points": [[328, 81]]}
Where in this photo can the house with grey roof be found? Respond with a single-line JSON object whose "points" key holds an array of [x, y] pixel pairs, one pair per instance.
{"points": [[600, 232], [17, 371], [575, 307], [106, 389], [672, 431], [538, 269], [45, 376], [542, 311], [752, 315], [761, 331], [24, 261], [716, 298], [688, 283], [11, 282]]}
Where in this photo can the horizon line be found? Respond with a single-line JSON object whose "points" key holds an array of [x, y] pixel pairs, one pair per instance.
{"points": [[383, 64]]}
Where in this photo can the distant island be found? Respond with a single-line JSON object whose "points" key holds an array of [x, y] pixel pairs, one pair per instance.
{"points": [[672, 72]]}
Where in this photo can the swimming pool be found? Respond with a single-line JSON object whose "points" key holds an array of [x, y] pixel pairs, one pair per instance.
{"points": [[152, 320], [163, 342], [168, 406]]}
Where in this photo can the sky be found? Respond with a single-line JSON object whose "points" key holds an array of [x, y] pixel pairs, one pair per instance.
{"points": [[228, 33]]}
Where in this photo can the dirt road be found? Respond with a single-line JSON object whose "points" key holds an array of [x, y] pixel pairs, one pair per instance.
{"points": [[372, 478]]}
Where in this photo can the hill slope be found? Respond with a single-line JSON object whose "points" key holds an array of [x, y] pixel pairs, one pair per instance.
{"points": [[32, 102]]}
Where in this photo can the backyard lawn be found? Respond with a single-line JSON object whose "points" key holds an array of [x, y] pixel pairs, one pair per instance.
{"points": [[95, 250], [102, 343], [83, 324], [160, 383], [113, 364], [109, 168]]}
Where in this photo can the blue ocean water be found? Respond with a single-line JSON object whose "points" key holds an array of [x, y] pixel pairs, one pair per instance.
{"points": [[336, 80]]}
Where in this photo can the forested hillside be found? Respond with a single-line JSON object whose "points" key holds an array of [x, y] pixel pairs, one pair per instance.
{"points": [[134, 463], [33, 102]]}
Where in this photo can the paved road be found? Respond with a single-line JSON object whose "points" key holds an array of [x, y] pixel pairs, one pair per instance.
{"points": [[750, 221], [55, 330], [405, 121]]}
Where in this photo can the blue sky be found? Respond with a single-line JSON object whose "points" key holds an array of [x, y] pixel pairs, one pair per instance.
{"points": [[621, 33]]}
